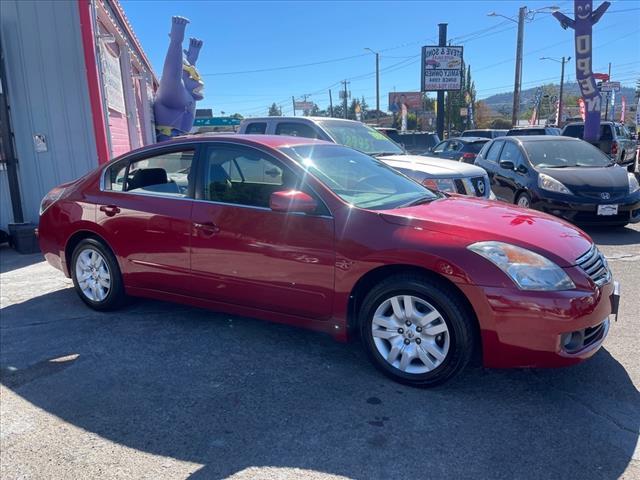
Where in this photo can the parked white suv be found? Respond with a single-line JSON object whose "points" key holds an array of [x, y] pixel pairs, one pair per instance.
{"points": [[434, 173]]}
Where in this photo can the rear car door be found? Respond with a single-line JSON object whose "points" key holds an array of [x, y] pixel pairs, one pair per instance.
{"points": [[243, 253], [489, 161], [144, 209]]}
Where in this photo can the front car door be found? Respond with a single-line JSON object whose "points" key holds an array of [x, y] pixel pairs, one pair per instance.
{"points": [[144, 209], [509, 181], [243, 253]]}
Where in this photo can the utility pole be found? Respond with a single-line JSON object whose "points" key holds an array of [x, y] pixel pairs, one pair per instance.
{"points": [[377, 82], [522, 12], [344, 99], [606, 107], [330, 104], [442, 42], [560, 103], [293, 101], [377, 87]]}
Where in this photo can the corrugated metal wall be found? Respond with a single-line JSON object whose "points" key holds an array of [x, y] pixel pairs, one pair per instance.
{"points": [[47, 91]]}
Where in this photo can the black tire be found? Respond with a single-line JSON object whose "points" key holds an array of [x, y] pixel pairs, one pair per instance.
{"points": [[115, 296], [461, 324], [523, 197]]}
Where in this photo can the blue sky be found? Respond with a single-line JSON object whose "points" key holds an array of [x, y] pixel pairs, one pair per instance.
{"points": [[248, 36]]}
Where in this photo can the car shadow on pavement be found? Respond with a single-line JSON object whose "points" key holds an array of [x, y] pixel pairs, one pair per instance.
{"points": [[233, 393], [614, 235]]}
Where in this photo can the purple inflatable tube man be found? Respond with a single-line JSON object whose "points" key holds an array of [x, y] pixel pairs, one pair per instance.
{"points": [[180, 86], [585, 19]]}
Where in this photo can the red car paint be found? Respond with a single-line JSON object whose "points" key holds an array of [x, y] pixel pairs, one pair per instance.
{"points": [[302, 269]]}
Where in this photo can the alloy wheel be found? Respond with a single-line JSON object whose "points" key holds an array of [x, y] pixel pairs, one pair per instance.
{"points": [[410, 334], [523, 201], [92, 274]]}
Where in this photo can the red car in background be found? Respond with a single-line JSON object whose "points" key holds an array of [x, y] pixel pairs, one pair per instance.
{"points": [[318, 235]]}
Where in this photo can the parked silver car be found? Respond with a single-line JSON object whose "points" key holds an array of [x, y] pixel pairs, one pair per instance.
{"points": [[435, 173]]}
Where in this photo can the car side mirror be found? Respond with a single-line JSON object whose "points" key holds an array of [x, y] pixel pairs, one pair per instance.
{"points": [[507, 164], [293, 201]]}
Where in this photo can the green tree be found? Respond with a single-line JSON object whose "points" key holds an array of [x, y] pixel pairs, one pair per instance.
{"points": [[275, 110]]}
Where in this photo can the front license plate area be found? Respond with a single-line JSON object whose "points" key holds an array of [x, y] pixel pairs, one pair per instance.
{"points": [[607, 210]]}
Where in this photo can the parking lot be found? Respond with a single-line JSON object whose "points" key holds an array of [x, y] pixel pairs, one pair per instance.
{"points": [[165, 391]]}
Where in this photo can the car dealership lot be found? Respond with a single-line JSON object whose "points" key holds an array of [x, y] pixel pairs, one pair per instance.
{"points": [[165, 391]]}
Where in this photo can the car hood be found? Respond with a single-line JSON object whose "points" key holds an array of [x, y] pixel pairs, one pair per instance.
{"points": [[580, 179], [481, 220], [434, 166]]}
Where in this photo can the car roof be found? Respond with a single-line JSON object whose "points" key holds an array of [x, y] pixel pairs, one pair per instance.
{"points": [[297, 119], [469, 139], [273, 141], [539, 138]]}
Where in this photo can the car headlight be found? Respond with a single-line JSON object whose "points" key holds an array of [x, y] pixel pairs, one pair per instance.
{"points": [[50, 198], [551, 184], [633, 183], [441, 184], [528, 270]]}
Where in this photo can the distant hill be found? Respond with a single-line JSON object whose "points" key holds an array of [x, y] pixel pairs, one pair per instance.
{"points": [[505, 100]]}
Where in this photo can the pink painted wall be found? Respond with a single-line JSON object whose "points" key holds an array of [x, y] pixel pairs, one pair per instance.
{"points": [[119, 130]]}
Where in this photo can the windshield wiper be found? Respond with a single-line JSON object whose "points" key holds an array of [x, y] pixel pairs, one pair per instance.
{"points": [[419, 201]]}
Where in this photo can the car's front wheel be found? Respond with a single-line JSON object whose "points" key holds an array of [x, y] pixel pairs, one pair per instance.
{"points": [[96, 275], [524, 200], [416, 330]]}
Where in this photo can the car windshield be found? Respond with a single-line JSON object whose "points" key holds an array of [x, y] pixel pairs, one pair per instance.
{"points": [[577, 131], [361, 137], [359, 179], [563, 153]]}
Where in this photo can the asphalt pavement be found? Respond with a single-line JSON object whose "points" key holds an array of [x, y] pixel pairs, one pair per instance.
{"points": [[165, 391]]}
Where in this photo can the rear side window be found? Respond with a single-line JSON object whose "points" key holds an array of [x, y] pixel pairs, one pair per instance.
{"points": [[474, 147], [256, 128], [494, 151], [296, 130]]}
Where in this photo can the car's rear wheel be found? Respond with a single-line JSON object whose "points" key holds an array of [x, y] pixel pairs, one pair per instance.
{"points": [[96, 275], [524, 200], [416, 330]]}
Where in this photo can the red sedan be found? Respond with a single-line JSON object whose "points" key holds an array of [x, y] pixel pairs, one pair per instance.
{"points": [[318, 235]]}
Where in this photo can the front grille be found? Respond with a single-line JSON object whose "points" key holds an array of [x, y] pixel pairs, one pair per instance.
{"points": [[595, 265]]}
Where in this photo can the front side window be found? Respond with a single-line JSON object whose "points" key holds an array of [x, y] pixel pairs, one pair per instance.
{"points": [[359, 179], [294, 129], [511, 153], [244, 176], [166, 174]]}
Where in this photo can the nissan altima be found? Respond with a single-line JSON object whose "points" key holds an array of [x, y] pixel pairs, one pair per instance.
{"points": [[322, 236]]}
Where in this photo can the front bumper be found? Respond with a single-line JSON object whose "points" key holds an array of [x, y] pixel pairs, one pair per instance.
{"points": [[586, 213], [532, 329]]}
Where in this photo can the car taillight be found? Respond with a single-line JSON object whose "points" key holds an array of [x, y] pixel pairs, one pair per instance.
{"points": [[50, 198], [614, 148], [468, 156]]}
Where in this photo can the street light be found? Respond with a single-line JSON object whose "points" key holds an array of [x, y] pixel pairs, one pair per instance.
{"points": [[377, 82], [523, 14], [563, 61]]}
